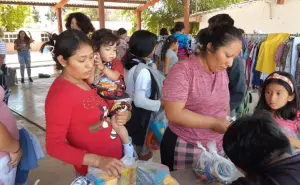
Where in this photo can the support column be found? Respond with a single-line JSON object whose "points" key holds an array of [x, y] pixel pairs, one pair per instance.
{"points": [[101, 13], [187, 16], [59, 20], [139, 20]]}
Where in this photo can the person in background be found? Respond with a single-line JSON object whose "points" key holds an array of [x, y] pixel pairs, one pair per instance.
{"points": [[196, 97], [143, 89], [280, 97], [163, 34], [257, 146], [22, 45], [184, 49], [173, 31], [3, 68], [122, 47], [77, 125], [79, 21], [236, 73], [169, 53], [10, 148]]}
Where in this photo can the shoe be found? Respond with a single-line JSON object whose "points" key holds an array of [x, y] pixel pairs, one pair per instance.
{"points": [[22, 80], [30, 79]]}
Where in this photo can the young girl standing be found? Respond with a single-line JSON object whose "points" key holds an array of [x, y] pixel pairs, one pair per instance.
{"points": [[169, 53], [279, 96]]}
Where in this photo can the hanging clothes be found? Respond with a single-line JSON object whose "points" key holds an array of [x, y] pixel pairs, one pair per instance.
{"points": [[294, 58], [266, 57]]}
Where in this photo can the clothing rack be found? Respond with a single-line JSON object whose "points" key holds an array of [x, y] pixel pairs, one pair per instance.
{"points": [[264, 35]]}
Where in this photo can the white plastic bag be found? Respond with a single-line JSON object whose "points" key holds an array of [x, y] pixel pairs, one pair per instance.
{"points": [[212, 167]]}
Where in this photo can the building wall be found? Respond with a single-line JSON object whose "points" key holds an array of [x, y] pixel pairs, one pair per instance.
{"points": [[39, 38], [263, 16]]}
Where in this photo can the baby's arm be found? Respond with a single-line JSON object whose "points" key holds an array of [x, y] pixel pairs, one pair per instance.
{"points": [[111, 74]]}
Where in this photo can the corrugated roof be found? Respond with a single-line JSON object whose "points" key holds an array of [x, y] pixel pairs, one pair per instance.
{"points": [[113, 4]]}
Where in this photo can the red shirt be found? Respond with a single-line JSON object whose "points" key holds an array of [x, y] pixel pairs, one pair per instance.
{"points": [[118, 66], [75, 125]]}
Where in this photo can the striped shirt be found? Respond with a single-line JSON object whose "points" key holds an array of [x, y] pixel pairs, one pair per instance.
{"points": [[2, 48]]}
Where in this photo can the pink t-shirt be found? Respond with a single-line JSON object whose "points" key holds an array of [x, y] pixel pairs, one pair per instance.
{"points": [[203, 93], [8, 119], [289, 127]]}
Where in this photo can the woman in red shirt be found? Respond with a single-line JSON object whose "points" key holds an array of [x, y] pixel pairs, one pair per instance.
{"points": [[77, 124]]}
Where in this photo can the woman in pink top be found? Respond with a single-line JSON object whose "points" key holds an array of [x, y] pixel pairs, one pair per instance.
{"points": [[10, 150], [196, 97], [279, 95]]}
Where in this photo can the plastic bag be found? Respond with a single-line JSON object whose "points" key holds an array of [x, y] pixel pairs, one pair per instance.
{"points": [[211, 167], [159, 125], [139, 173]]}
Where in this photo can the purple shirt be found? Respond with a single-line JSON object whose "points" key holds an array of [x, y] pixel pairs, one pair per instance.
{"points": [[203, 92]]}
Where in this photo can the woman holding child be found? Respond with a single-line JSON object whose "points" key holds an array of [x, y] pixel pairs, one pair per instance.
{"points": [[78, 130]]}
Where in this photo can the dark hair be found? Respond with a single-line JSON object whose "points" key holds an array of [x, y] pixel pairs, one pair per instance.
{"points": [[26, 38], [163, 32], [172, 31], [51, 42], [253, 142], [67, 43], [179, 26], [242, 31], [121, 31], [103, 38], [221, 20], [141, 45], [83, 22], [218, 36], [289, 111], [167, 44]]}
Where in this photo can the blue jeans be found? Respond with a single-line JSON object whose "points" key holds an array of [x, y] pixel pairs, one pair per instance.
{"points": [[25, 61]]}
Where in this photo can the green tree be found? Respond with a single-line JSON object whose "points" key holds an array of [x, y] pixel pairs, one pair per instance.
{"points": [[35, 15], [13, 16], [165, 12]]}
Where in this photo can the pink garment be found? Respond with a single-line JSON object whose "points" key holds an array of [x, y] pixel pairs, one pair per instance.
{"points": [[289, 127], [8, 119], [203, 93], [278, 54]]}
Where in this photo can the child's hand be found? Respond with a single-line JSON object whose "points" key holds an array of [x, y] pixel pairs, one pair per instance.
{"points": [[98, 62]]}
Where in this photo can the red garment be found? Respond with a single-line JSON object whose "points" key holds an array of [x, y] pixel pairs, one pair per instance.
{"points": [[118, 66], [77, 117]]}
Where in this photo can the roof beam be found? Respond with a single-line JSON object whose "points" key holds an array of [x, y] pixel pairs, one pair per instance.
{"points": [[145, 6], [60, 4], [123, 1], [67, 5]]}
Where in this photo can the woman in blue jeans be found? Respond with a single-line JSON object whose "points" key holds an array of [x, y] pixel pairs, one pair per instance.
{"points": [[22, 45]]}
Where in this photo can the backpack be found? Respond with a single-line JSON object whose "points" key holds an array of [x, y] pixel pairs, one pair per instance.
{"points": [[243, 108]]}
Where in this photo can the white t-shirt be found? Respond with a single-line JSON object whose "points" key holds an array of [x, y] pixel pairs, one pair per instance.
{"points": [[2, 48], [140, 91]]}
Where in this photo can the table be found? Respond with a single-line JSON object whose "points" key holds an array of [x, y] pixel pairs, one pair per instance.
{"points": [[186, 177]]}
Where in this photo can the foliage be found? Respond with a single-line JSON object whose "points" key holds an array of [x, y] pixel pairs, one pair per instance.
{"points": [[13, 16], [35, 14], [165, 12]]}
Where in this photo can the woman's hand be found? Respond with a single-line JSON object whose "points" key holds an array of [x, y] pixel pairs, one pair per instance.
{"points": [[111, 166], [220, 125], [15, 158], [121, 118]]}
